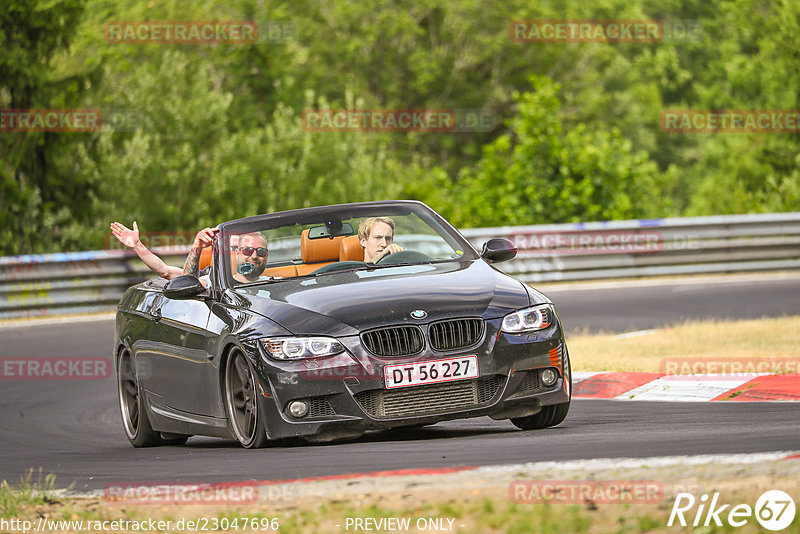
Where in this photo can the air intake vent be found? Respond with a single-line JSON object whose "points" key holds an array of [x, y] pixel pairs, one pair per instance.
{"points": [[431, 399], [319, 407], [457, 334], [396, 341], [530, 382]]}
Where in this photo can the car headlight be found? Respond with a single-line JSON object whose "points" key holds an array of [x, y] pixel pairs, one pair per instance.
{"points": [[295, 348], [528, 320]]}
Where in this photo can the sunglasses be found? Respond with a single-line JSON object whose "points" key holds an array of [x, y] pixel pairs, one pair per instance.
{"points": [[248, 251]]}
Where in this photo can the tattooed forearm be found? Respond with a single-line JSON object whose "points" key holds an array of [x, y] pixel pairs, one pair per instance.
{"points": [[192, 265]]}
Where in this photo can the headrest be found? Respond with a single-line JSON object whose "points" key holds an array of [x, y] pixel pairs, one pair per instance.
{"points": [[319, 250], [350, 249], [205, 258]]}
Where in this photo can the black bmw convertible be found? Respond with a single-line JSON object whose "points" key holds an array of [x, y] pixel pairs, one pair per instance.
{"points": [[299, 328]]}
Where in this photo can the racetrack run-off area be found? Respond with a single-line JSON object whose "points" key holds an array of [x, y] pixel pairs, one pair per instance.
{"points": [[686, 388]]}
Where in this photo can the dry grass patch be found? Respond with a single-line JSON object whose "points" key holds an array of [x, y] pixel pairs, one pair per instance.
{"points": [[751, 339], [467, 502]]}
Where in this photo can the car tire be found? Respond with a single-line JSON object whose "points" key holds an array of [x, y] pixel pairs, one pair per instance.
{"points": [[132, 405], [549, 415], [241, 401]]}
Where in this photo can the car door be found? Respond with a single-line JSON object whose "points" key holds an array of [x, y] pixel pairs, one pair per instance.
{"points": [[179, 364]]}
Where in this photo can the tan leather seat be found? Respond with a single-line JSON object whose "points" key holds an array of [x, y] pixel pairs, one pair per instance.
{"points": [[205, 258], [317, 253], [350, 249], [284, 271]]}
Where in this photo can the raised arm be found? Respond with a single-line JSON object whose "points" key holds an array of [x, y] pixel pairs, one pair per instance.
{"points": [[130, 238], [203, 239]]}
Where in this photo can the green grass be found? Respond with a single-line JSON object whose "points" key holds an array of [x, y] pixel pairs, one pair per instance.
{"points": [[485, 514], [28, 492]]}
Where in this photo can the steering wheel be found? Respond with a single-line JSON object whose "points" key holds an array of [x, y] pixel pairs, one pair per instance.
{"points": [[338, 266], [403, 256]]}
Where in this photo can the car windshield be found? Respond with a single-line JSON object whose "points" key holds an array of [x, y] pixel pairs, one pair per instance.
{"points": [[321, 241]]}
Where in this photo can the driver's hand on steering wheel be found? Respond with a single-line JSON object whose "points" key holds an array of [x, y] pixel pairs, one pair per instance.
{"points": [[391, 249]]}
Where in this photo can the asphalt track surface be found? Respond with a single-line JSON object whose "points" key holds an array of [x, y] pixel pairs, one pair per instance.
{"points": [[631, 307], [73, 428]]}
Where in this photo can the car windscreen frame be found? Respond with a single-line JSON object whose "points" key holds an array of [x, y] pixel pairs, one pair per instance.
{"points": [[320, 215]]}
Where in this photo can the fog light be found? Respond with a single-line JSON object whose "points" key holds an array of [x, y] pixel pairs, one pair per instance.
{"points": [[298, 408], [549, 377]]}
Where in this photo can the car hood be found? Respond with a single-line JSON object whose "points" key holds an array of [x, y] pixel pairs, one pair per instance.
{"points": [[345, 303]]}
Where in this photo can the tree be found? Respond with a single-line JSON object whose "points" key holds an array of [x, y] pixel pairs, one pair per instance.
{"points": [[544, 173], [39, 197]]}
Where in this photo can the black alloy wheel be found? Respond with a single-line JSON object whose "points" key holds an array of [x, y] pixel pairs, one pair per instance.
{"points": [[241, 397]]}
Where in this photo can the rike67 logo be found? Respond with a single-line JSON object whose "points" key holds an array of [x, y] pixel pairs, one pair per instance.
{"points": [[774, 510]]}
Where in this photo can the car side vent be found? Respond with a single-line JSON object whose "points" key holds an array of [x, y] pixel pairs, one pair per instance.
{"points": [[455, 334], [395, 341]]}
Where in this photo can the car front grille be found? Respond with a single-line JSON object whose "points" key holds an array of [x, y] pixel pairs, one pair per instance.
{"points": [[430, 400], [395, 341], [405, 340], [455, 334]]}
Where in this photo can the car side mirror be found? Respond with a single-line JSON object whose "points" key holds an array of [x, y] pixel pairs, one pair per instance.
{"points": [[184, 286], [498, 249]]}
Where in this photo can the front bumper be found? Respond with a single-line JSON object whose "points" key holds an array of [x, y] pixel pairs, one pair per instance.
{"points": [[347, 396]]}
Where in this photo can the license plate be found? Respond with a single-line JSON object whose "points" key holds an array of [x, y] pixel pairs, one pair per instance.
{"points": [[430, 372]]}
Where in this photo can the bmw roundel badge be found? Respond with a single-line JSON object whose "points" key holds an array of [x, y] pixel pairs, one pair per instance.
{"points": [[419, 314]]}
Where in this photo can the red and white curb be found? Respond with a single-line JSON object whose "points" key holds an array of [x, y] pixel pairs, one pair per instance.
{"points": [[686, 388], [476, 478]]}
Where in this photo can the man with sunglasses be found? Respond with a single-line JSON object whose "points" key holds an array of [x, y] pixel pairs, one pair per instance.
{"points": [[249, 250], [251, 258]]}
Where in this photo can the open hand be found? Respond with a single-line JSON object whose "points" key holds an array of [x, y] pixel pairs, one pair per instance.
{"points": [[127, 237]]}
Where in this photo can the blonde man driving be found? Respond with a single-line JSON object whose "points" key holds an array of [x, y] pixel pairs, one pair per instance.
{"points": [[376, 235]]}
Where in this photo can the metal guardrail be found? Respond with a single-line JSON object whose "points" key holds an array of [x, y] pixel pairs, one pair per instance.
{"points": [[688, 245], [80, 282], [72, 282]]}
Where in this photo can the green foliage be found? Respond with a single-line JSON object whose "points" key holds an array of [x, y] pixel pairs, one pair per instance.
{"points": [[37, 194], [543, 172], [28, 491], [186, 168], [220, 133]]}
